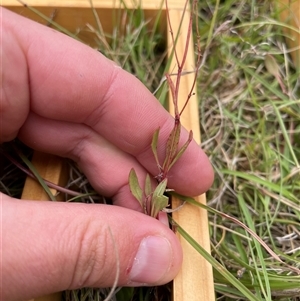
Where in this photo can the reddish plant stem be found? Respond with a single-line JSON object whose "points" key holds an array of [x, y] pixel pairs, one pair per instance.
{"points": [[31, 175], [172, 144], [180, 65]]}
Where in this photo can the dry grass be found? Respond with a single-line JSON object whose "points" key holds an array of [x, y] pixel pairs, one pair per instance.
{"points": [[251, 130]]}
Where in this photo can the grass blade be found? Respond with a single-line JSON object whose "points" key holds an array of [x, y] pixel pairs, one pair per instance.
{"points": [[215, 264], [37, 175]]}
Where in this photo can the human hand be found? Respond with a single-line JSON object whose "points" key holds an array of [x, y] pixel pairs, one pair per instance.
{"points": [[62, 97]]}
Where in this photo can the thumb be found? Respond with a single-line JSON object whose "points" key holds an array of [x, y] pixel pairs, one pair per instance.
{"points": [[49, 247]]}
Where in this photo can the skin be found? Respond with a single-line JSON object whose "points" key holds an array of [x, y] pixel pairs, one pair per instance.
{"points": [[62, 97]]}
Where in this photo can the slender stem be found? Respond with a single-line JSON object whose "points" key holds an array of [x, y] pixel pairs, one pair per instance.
{"points": [[31, 175], [171, 32], [194, 9]]}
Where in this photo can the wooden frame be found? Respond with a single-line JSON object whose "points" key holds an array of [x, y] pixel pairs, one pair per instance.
{"points": [[290, 14], [195, 280]]}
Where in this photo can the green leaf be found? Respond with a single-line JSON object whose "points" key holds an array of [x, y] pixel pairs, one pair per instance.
{"points": [[159, 200], [154, 146], [172, 145], [148, 186], [158, 204], [182, 150], [135, 188], [161, 188]]}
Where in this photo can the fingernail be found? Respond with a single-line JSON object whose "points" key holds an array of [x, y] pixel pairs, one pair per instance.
{"points": [[152, 261]]}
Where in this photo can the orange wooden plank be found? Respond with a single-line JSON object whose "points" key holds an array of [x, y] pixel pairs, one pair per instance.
{"points": [[290, 14], [195, 280]]}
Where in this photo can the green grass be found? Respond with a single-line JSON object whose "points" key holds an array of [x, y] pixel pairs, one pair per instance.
{"points": [[251, 132], [250, 129]]}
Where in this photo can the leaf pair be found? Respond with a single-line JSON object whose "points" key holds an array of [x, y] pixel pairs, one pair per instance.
{"points": [[151, 201], [172, 152]]}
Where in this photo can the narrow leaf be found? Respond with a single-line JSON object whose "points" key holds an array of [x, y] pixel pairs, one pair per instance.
{"points": [[158, 203], [135, 188], [172, 145], [154, 146], [161, 188], [182, 150], [148, 186]]}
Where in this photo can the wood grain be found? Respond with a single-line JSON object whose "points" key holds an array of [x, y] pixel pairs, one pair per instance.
{"points": [[195, 280]]}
